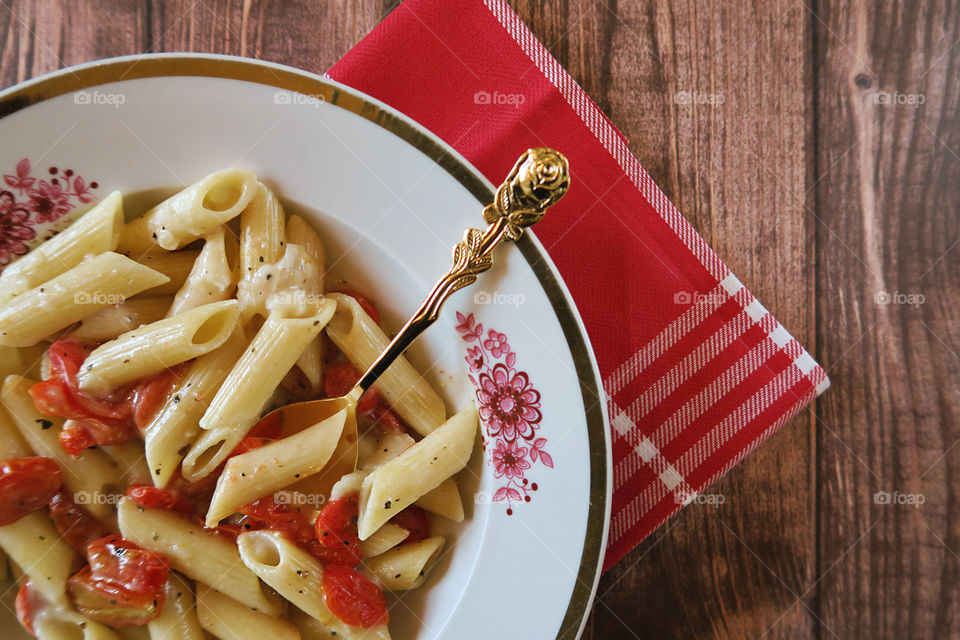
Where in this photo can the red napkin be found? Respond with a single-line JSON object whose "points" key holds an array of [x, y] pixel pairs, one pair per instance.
{"points": [[697, 372]]}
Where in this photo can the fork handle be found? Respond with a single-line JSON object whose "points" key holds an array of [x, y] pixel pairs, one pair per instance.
{"points": [[539, 178]]}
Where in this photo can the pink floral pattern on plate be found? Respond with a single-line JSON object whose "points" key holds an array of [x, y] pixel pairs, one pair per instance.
{"points": [[509, 407], [29, 206]]}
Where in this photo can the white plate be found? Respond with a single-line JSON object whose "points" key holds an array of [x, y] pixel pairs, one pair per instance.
{"points": [[392, 200]]}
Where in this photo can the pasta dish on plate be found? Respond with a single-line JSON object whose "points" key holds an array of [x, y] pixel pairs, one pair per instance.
{"points": [[145, 480]]}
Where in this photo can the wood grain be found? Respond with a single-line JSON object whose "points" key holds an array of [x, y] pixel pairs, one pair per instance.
{"points": [[761, 121]]}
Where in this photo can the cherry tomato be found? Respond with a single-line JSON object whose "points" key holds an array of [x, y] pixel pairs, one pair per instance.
{"points": [[388, 420], [151, 497], [27, 605], [415, 520], [150, 394], [339, 379], [336, 525], [353, 598], [364, 302], [66, 358], [26, 484], [78, 526], [267, 514], [123, 584]]}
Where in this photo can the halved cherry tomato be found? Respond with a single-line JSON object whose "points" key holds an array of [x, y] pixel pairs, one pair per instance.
{"points": [[364, 302], [336, 525], [339, 379], [150, 497], [387, 419], [415, 520], [78, 526], [353, 598], [148, 396], [66, 358], [77, 435], [27, 605], [123, 584], [26, 484]]}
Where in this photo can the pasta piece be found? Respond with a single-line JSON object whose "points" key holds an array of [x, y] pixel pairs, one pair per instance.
{"points": [[94, 284], [173, 429], [12, 444], [176, 265], [24, 362], [158, 346], [248, 387], [196, 553], [388, 447], [64, 624], [228, 619], [37, 548], [212, 277], [292, 572], [264, 470], [281, 286], [129, 461], [312, 629], [262, 232], [95, 232], [85, 475], [362, 341], [117, 319], [407, 566], [402, 481], [299, 232], [178, 618], [383, 539], [192, 213], [444, 501]]}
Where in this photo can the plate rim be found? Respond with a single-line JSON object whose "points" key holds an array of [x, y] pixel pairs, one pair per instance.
{"points": [[154, 65]]}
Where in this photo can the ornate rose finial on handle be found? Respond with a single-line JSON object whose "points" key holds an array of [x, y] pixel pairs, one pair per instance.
{"points": [[537, 181], [540, 177]]}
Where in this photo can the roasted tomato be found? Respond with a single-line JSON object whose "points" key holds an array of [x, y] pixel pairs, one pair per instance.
{"points": [[123, 584], [78, 526], [415, 520], [26, 484], [353, 598]]}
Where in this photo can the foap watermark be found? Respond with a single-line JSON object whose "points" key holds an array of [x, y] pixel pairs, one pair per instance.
{"points": [[298, 499], [696, 297], [99, 99], [96, 497], [98, 298], [515, 100], [897, 297], [295, 98], [708, 499], [897, 99], [698, 97], [897, 498], [498, 297]]}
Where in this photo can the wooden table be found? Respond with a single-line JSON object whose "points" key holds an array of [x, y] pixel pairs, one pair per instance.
{"points": [[790, 134]]}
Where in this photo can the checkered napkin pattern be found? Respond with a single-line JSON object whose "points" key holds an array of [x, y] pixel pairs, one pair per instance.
{"points": [[697, 373]]}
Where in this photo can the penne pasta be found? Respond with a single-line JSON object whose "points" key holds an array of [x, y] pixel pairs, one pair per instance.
{"points": [[36, 547], [362, 341], [178, 618], [173, 429], [300, 233], [407, 566], [383, 539], [212, 277], [129, 461], [158, 346], [264, 470], [62, 623], [444, 501], [262, 233], [95, 232], [87, 475], [194, 212], [176, 265], [204, 556], [248, 387], [228, 619], [405, 479], [94, 284], [118, 319]]}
